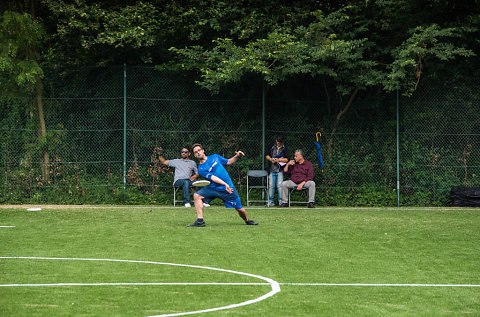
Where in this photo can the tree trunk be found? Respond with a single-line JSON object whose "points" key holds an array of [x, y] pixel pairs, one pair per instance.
{"points": [[42, 131], [337, 121], [329, 106]]}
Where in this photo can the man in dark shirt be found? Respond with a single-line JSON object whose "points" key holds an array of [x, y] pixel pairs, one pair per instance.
{"points": [[301, 176], [278, 156]]}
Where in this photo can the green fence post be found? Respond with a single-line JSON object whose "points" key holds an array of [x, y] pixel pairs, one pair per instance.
{"points": [[263, 125], [398, 154], [124, 132], [263, 131]]}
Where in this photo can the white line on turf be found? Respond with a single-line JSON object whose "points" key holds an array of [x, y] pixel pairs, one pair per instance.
{"points": [[319, 208], [273, 284], [127, 284], [7, 226], [245, 284], [381, 284]]}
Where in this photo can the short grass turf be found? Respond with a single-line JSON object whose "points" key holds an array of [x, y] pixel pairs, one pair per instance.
{"points": [[294, 245]]}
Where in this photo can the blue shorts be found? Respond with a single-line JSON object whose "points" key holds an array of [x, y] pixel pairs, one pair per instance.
{"points": [[230, 200]]}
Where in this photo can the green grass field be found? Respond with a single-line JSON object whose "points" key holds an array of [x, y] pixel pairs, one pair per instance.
{"points": [[299, 248]]}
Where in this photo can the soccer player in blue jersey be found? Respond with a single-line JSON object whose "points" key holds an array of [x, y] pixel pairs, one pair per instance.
{"points": [[212, 168]]}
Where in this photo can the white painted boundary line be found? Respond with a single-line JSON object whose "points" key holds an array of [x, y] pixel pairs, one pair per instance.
{"points": [[7, 226], [128, 284], [381, 284], [319, 208], [245, 284], [273, 284]]}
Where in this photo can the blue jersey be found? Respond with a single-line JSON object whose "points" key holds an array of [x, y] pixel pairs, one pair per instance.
{"points": [[214, 166]]}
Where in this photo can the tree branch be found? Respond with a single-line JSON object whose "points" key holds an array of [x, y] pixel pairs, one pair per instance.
{"points": [[337, 120]]}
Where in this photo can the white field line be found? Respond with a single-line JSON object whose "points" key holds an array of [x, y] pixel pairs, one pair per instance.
{"points": [[319, 208], [7, 226], [381, 284], [243, 284], [129, 284], [275, 287]]}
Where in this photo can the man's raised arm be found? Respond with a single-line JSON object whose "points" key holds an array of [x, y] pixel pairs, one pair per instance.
{"points": [[235, 157]]}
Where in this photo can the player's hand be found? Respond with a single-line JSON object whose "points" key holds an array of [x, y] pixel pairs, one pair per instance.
{"points": [[228, 189], [239, 153], [299, 187]]}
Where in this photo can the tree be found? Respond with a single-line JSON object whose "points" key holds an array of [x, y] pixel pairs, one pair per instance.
{"points": [[21, 38], [97, 33], [358, 46]]}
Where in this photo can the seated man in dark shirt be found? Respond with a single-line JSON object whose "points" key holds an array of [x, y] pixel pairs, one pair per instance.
{"points": [[301, 176]]}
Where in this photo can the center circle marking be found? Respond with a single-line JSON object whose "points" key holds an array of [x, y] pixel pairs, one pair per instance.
{"points": [[275, 286]]}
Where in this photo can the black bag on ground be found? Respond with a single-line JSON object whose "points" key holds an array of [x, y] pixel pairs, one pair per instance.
{"points": [[462, 196]]}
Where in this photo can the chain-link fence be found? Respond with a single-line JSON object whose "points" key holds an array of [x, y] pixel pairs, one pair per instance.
{"points": [[440, 140], [94, 157]]}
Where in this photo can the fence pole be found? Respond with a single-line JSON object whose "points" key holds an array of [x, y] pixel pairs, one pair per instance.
{"points": [[263, 124], [124, 132], [263, 131], [398, 153]]}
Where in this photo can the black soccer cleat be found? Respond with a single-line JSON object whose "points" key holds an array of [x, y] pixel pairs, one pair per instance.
{"points": [[197, 224], [251, 222]]}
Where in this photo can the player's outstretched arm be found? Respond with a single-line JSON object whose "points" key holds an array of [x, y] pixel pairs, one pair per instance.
{"points": [[217, 180], [235, 157]]}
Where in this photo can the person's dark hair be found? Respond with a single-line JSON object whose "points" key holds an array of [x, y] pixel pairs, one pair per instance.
{"points": [[280, 138]]}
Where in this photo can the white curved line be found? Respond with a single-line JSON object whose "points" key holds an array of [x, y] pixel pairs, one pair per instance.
{"points": [[274, 284]]}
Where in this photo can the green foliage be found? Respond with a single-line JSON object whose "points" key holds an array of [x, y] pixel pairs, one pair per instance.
{"points": [[21, 38], [346, 45], [130, 26], [95, 28], [283, 55], [423, 45]]}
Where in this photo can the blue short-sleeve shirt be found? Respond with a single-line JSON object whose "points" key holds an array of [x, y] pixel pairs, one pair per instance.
{"points": [[214, 165]]}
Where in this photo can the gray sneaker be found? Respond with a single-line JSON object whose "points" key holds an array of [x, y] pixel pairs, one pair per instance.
{"points": [[270, 204], [251, 223], [197, 224]]}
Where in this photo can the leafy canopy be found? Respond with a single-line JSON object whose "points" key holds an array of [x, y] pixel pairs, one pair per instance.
{"points": [[374, 43], [20, 40]]}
